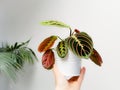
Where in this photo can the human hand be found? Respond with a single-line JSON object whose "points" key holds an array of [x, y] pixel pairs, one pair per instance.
{"points": [[63, 84]]}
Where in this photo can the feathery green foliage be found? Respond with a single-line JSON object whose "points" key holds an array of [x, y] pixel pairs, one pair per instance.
{"points": [[13, 57]]}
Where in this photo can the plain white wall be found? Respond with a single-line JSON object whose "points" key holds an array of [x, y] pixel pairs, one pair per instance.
{"points": [[19, 21]]}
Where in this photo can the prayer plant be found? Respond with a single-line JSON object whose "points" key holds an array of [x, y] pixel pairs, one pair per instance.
{"points": [[80, 43], [13, 57]]}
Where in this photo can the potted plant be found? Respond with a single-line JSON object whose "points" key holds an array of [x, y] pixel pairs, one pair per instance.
{"points": [[13, 57], [76, 43]]}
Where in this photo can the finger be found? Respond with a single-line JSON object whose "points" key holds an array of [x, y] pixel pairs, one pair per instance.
{"points": [[78, 78], [82, 74]]}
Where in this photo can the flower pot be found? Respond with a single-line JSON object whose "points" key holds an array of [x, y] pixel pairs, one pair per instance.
{"points": [[69, 66]]}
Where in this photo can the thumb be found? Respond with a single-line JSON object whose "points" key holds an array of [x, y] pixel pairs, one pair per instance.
{"points": [[82, 74]]}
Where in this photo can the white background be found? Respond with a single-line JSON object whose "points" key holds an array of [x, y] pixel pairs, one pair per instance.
{"points": [[19, 21]]}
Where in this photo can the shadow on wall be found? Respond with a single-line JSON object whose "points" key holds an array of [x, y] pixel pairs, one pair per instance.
{"points": [[16, 19], [24, 79], [4, 82]]}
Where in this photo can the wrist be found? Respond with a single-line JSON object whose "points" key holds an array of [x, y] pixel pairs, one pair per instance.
{"points": [[61, 88], [66, 88]]}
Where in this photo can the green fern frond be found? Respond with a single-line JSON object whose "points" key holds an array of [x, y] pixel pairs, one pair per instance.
{"points": [[6, 65], [13, 57]]}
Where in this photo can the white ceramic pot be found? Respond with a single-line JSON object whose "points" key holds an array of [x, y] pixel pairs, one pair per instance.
{"points": [[69, 66]]}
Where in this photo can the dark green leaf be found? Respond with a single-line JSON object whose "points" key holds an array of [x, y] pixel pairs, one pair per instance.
{"points": [[81, 44], [62, 49]]}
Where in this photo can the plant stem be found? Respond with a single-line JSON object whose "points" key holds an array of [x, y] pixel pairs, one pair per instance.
{"points": [[70, 31], [73, 32], [60, 38]]}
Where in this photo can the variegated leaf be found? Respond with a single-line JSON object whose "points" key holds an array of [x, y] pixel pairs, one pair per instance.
{"points": [[48, 59], [55, 23], [96, 58], [81, 44], [62, 49], [47, 43]]}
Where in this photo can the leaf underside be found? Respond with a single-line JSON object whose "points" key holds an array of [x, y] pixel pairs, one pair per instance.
{"points": [[48, 59], [96, 58]]}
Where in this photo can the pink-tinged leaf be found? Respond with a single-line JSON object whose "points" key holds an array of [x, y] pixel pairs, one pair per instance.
{"points": [[47, 43], [48, 59], [77, 31], [96, 58]]}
